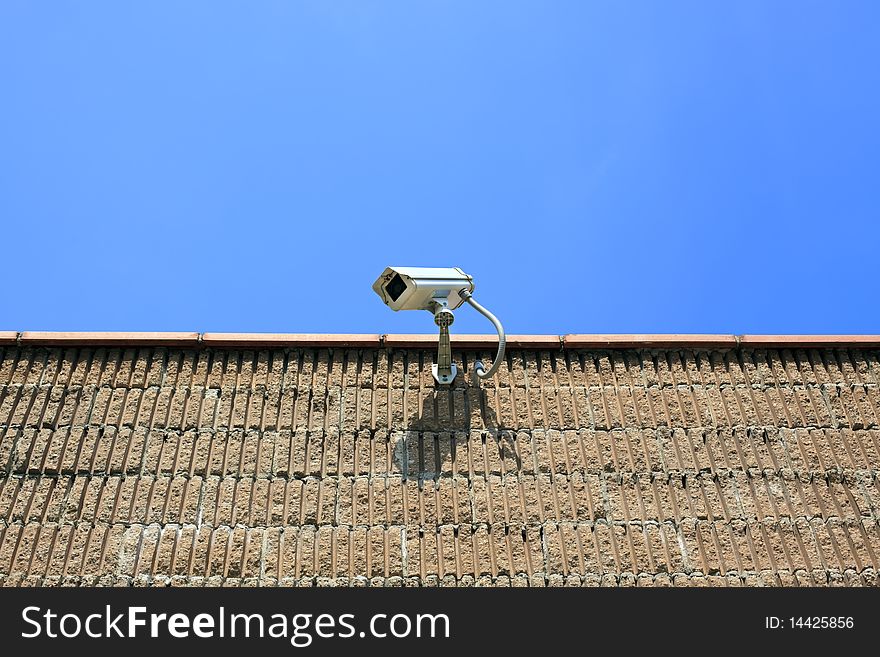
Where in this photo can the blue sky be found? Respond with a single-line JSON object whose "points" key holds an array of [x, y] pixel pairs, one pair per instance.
{"points": [[639, 167]]}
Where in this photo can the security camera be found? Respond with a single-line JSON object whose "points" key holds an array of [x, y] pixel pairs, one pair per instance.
{"points": [[422, 288], [439, 290]]}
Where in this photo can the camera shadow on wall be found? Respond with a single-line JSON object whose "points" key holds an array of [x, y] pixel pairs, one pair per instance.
{"points": [[454, 431]]}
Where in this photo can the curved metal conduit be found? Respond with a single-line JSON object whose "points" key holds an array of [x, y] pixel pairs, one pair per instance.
{"points": [[479, 368]]}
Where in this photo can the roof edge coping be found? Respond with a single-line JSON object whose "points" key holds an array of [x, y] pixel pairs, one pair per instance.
{"points": [[8, 337], [109, 338], [290, 340], [665, 340], [804, 341], [464, 341], [460, 341]]}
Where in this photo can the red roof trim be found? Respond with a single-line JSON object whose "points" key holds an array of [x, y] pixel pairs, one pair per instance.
{"points": [[488, 342]]}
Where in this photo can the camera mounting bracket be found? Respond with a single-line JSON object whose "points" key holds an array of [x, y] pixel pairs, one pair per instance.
{"points": [[444, 370]]}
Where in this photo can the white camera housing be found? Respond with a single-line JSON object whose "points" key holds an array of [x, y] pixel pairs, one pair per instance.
{"points": [[422, 288]]}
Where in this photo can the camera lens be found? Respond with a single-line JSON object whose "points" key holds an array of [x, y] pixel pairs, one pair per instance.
{"points": [[395, 287]]}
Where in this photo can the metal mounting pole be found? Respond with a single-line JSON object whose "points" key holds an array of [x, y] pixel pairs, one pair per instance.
{"points": [[444, 370]]}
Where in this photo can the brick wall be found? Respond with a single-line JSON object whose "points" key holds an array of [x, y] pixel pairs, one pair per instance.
{"points": [[156, 466]]}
